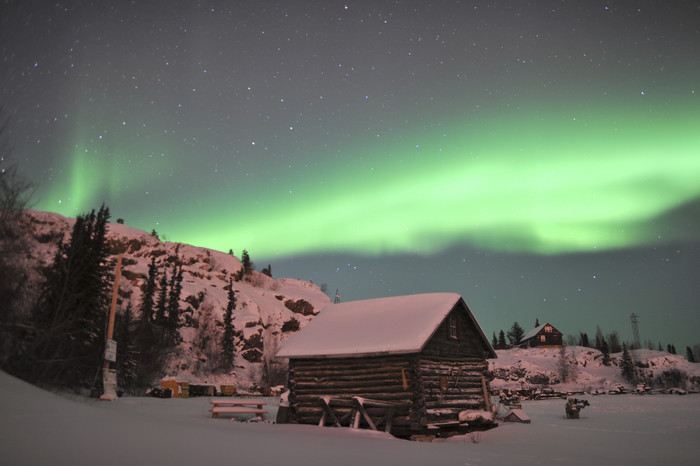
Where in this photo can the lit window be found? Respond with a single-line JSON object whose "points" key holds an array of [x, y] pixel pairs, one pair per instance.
{"points": [[548, 329], [543, 338]]}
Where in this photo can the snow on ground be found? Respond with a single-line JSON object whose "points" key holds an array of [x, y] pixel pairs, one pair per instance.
{"points": [[37, 427], [522, 367]]}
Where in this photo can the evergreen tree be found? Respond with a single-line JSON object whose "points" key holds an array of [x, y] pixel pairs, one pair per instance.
{"points": [[626, 364], [247, 264], [162, 305], [267, 270], [174, 303], [502, 340], [147, 298], [689, 354], [227, 339], [583, 339], [15, 193], [494, 341], [515, 334], [70, 316], [599, 338], [148, 340], [537, 322], [614, 342], [127, 351], [673, 349], [606, 353]]}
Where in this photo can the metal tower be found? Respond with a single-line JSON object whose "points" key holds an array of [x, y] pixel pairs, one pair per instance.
{"points": [[337, 297], [635, 330]]}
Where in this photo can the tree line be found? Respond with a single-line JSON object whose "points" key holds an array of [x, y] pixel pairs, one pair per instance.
{"points": [[609, 343]]}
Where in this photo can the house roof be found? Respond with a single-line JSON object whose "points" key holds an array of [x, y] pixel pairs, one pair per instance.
{"points": [[532, 333], [393, 325], [519, 414]]}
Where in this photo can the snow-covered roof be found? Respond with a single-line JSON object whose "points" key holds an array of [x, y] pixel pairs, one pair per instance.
{"points": [[518, 413], [393, 325], [532, 333]]}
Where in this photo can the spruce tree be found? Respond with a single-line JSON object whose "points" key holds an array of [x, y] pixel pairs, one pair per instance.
{"points": [[127, 351], [494, 340], [147, 298], [515, 334], [70, 316], [148, 341], [626, 364], [689, 354], [247, 264], [583, 339], [162, 306], [502, 340], [174, 304], [227, 340], [606, 352]]}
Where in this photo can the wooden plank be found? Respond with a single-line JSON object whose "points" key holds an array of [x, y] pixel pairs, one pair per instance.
{"points": [[215, 411], [327, 411], [361, 409]]}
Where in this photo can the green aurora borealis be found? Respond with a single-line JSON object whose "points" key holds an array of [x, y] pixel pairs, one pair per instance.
{"points": [[542, 159], [543, 181]]}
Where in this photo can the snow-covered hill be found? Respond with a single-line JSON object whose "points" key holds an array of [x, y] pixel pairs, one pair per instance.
{"points": [[529, 368], [268, 310]]}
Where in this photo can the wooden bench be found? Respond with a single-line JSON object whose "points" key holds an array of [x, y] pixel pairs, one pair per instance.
{"points": [[237, 406], [216, 410]]}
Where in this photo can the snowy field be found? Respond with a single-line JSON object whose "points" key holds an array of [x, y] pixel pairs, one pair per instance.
{"points": [[38, 428]]}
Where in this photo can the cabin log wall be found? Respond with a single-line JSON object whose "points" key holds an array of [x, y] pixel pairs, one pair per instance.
{"points": [[377, 378]]}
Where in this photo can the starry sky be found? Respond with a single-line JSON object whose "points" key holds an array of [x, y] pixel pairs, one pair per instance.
{"points": [[542, 160]]}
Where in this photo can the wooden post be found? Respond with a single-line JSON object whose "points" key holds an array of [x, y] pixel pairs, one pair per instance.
{"points": [[115, 293], [487, 397]]}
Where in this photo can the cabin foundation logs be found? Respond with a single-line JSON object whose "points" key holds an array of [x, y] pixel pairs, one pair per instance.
{"points": [[421, 390]]}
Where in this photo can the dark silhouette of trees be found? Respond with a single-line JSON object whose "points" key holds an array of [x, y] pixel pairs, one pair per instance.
{"points": [[248, 266], [515, 334], [689, 354], [502, 340], [227, 339], [583, 339], [70, 315], [127, 350], [162, 306], [173, 323], [626, 364]]}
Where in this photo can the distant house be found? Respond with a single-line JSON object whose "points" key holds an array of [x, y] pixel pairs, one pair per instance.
{"points": [[542, 336], [411, 363]]}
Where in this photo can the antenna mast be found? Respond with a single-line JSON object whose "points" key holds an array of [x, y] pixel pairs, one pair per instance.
{"points": [[635, 330]]}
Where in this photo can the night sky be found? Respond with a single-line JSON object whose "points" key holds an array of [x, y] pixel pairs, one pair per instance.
{"points": [[542, 160]]}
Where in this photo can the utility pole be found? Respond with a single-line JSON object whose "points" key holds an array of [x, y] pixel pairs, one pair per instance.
{"points": [[109, 375]]}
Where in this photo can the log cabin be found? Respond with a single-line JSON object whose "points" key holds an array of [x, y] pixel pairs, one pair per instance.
{"points": [[413, 363], [544, 336]]}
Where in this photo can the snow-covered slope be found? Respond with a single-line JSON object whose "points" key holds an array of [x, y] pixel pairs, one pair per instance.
{"points": [[538, 367], [268, 310]]}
